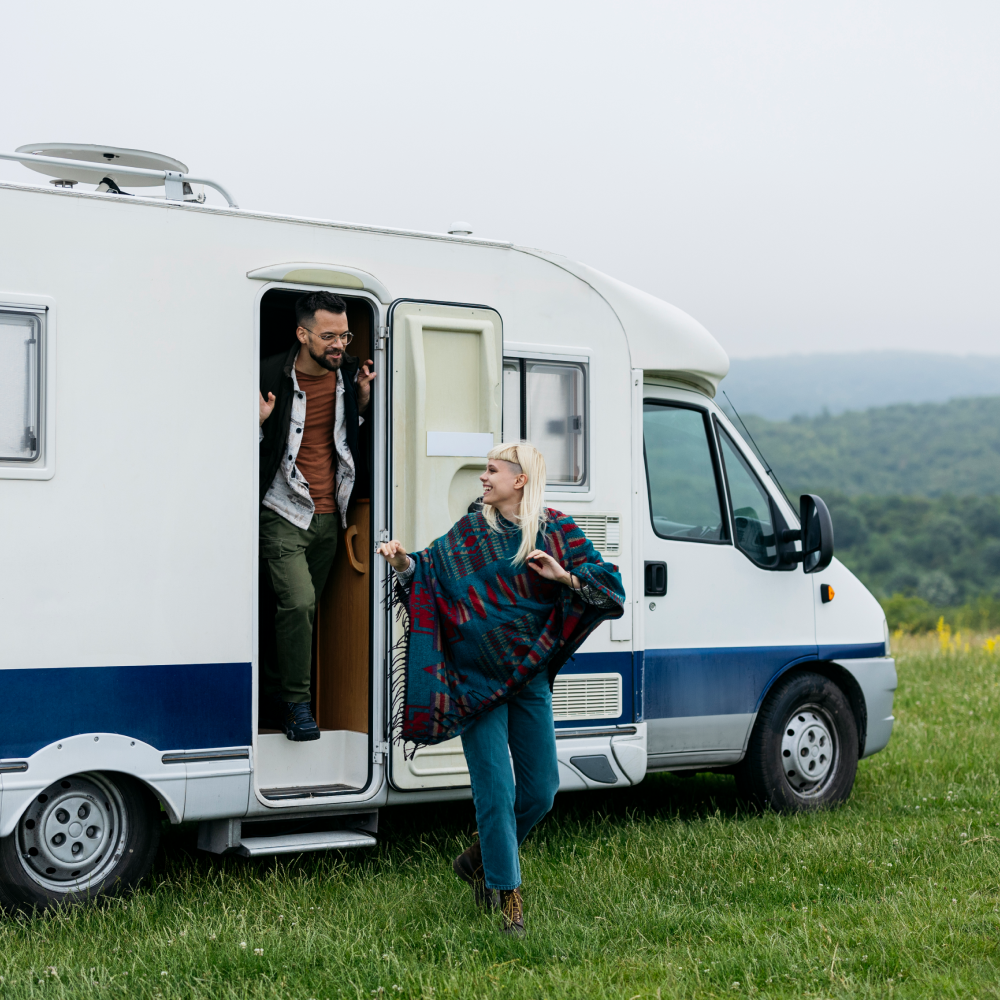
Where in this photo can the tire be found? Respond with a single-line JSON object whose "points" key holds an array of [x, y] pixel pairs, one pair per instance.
{"points": [[84, 837], [803, 751]]}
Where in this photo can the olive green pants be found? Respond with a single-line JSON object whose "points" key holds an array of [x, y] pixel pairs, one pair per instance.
{"points": [[295, 563]]}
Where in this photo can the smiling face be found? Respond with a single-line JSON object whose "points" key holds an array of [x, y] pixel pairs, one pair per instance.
{"points": [[503, 485], [324, 338]]}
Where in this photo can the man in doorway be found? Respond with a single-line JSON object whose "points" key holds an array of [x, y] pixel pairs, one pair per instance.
{"points": [[311, 398]]}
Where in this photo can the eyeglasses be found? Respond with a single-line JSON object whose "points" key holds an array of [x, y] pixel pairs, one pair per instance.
{"points": [[329, 338]]}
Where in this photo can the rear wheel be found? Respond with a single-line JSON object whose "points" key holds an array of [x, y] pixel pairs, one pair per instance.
{"points": [[803, 751], [85, 836]]}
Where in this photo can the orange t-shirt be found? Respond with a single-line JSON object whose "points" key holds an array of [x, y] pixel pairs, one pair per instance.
{"points": [[317, 459]]}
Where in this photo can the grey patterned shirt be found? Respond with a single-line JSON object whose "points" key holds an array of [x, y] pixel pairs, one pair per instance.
{"points": [[288, 494]]}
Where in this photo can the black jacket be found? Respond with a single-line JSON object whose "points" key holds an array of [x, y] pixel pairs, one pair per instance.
{"points": [[276, 377]]}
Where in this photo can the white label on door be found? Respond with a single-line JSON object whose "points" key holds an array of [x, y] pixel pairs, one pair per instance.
{"points": [[458, 444]]}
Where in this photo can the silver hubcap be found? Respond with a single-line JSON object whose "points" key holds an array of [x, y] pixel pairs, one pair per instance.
{"points": [[809, 750], [73, 833]]}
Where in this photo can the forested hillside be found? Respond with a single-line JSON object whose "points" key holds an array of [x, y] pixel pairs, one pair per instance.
{"points": [[928, 450], [945, 550], [915, 496]]}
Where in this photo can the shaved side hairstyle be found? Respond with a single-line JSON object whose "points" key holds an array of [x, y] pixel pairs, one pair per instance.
{"points": [[306, 306]]}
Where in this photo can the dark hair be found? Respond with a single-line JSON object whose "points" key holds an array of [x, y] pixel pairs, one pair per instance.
{"points": [[306, 306]]}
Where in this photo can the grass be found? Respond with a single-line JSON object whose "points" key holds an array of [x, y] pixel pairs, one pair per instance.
{"points": [[668, 889]]}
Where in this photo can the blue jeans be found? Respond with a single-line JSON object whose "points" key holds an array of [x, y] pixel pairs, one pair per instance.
{"points": [[506, 813]]}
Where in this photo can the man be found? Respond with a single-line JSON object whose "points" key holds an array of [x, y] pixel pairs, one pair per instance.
{"points": [[308, 464]]}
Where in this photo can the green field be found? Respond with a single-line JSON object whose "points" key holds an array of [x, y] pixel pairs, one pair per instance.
{"points": [[669, 889]]}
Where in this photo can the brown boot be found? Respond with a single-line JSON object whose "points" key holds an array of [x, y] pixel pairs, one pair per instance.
{"points": [[512, 912], [468, 866]]}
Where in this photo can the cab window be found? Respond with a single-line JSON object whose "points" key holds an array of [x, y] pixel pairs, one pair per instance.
{"points": [[753, 521], [680, 473]]}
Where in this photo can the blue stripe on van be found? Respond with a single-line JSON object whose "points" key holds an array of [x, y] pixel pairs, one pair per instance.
{"points": [[187, 706], [727, 680], [722, 681]]}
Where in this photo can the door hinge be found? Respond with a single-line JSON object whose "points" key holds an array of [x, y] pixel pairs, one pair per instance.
{"points": [[379, 751], [382, 338], [383, 535]]}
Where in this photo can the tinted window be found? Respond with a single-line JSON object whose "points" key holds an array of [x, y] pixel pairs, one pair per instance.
{"points": [[752, 523], [551, 415], [511, 400], [19, 387], [683, 494]]}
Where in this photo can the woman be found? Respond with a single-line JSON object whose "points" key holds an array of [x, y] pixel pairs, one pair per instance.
{"points": [[495, 607]]}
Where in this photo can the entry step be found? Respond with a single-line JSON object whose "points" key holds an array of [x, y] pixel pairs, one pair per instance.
{"points": [[306, 792], [293, 843]]}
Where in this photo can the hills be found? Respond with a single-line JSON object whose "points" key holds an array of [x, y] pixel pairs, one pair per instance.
{"points": [[780, 388], [914, 491], [925, 450]]}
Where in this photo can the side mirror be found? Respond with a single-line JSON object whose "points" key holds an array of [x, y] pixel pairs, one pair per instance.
{"points": [[817, 533]]}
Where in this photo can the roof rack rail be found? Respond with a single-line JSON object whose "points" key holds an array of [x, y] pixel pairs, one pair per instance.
{"points": [[173, 180]]}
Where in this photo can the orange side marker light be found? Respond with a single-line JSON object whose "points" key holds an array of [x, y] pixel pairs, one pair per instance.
{"points": [[826, 593]]}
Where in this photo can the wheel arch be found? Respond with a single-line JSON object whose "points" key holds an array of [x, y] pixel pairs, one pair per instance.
{"points": [[843, 678], [16, 800]]}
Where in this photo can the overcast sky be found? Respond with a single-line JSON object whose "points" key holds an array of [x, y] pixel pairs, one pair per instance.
{"points": [[800, 176]]}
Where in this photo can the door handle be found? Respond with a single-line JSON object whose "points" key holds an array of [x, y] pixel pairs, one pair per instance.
{"points": [[349, 537], [656, 579]]}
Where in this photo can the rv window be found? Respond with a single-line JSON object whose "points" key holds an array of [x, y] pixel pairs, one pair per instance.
{"points": [[20, 390], [751, 508], [544, 402], [683, 489]]}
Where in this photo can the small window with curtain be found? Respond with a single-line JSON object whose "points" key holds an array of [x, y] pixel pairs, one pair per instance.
{"points": [[20, 386], [545, 402]]}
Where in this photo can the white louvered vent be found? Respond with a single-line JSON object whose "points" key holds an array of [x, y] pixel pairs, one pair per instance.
{"points": [[604, 530], [587, 696]]}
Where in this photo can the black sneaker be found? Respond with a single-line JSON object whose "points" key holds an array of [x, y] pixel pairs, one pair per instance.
{"points": [[468, 866], [298, 723]]}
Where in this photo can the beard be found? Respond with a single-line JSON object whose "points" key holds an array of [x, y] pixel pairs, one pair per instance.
{"points": [[327, 362]]}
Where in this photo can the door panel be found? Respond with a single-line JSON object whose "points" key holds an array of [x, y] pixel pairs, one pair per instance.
{"points": [[726, 625], [446, 414]]}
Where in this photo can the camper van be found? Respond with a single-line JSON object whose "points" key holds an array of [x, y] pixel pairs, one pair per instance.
{"points": [[134, 314]]}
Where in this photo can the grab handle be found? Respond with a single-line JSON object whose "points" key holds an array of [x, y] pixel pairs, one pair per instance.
{"points": [[348, 544]]}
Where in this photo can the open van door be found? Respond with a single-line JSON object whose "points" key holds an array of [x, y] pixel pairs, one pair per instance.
{"points": [[446, 412]]}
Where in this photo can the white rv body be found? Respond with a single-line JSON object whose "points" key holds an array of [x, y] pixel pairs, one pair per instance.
{"points": [[128, 604]]}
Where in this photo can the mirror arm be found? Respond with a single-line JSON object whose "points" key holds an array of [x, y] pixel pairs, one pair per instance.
{"points": [[791, 535]]}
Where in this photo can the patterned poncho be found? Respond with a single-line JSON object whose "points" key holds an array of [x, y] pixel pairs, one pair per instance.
{"points": [[480, 628]]}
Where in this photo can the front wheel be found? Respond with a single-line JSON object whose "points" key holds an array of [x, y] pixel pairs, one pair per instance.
{"points": [[803, 751], [83, 837]]}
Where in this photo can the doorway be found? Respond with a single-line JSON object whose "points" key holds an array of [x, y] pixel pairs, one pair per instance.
{"points": [[340, 761]]}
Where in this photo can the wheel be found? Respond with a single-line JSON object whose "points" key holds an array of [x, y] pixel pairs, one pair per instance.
{"points": [[803, 751], [86, 836]]}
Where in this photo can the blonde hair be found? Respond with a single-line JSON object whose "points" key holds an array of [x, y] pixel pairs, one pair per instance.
{"points": [[531, 514]]}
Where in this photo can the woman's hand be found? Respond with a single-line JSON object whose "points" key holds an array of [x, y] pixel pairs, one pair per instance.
{"points": [[545, 566], [394, 554]]}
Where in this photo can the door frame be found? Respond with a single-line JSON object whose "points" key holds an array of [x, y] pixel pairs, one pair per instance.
{"points": [[387, 580], [377, 412]]}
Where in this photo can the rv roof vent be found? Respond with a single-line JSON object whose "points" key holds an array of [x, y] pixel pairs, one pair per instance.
{"points": [[115, 158], [460, 229]]}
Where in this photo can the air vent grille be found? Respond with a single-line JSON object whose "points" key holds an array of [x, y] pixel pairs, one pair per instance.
{"points": [[604, 530], [587, 696]]}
